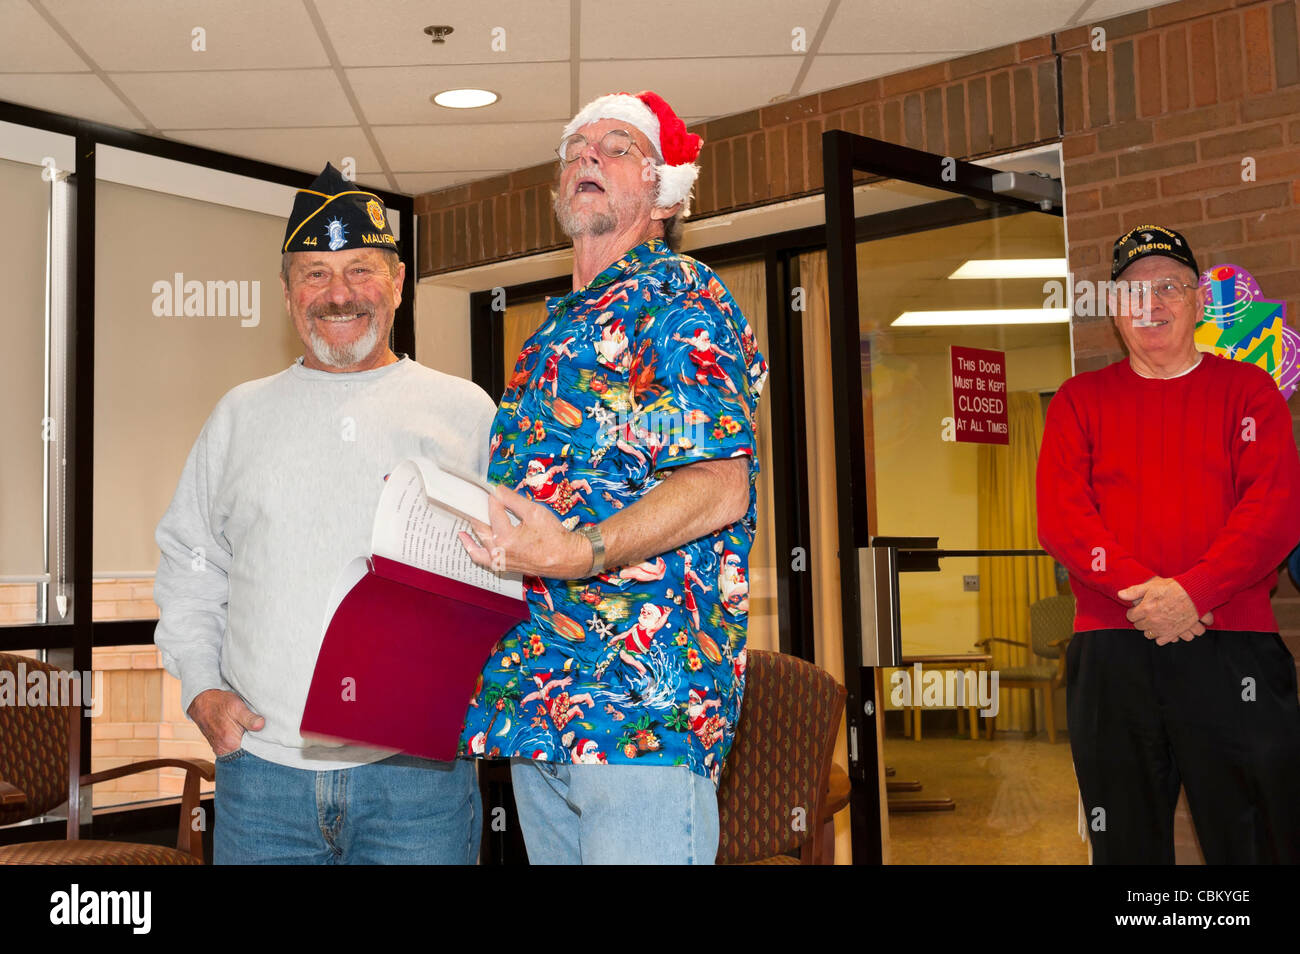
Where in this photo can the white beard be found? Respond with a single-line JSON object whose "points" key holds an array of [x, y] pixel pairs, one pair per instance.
{"points": [[574, 224], [345, 355], [592, 223]]}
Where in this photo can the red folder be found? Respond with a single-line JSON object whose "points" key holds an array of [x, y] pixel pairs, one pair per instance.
{"points": [[400, 659]]}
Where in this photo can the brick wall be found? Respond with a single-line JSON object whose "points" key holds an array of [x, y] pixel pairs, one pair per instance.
{"points": [[1156, 130]]}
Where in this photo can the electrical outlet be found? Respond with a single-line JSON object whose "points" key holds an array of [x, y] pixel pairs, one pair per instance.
{"points": [[970, 584]]}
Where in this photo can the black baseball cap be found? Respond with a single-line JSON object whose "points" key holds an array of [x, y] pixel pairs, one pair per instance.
{"points": [[1150, 240]]}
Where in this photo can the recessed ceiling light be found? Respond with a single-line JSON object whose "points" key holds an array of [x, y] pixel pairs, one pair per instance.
{"points": [[465, 98], [1012, 268], [989, 316]]}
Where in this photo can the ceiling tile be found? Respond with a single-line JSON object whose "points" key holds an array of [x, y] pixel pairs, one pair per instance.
{"points": [[831, 70], [372, 180], [82, 95], [30, 45], [157, 34], [392, 33], [467, 147], [1105, 9], [964, 25], [245, 98], [528, 91], [696, 87], [305, 149], [415, 183], [736, 27]]}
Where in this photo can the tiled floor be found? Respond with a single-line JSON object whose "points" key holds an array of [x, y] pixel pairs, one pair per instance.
{"points": [[1016, 802]]}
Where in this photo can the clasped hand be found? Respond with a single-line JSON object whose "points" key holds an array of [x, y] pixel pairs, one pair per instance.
{"points": [[1163, 611]]}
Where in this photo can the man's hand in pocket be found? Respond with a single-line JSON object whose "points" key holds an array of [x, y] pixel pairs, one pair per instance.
{"points": [[223, 718]]}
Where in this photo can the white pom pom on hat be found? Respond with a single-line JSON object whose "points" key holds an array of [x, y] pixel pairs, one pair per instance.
{"points": [[649, 113]]}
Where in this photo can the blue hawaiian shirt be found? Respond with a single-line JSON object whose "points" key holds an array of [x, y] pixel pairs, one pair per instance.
{"points": [[649, 367]]}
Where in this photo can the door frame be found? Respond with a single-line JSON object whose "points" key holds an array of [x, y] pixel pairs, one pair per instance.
{"points": [[843, 155]]}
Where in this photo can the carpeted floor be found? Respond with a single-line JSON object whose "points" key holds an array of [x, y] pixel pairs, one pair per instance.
{"points": [[1016, 802]]}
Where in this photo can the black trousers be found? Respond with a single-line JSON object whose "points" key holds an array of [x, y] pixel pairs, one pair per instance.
{"points": [[1217, 715]]}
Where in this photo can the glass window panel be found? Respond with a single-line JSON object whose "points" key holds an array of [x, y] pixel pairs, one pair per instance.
{"points": [[34, 247], [924, 485], [26, 200], [188, 305], [141, 719]]}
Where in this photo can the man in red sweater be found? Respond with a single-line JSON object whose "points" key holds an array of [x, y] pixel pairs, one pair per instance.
{"points": [[1169, 488]]}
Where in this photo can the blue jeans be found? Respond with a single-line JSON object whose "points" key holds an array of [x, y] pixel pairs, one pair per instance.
{"points": [[615, 814], [403, 810]]}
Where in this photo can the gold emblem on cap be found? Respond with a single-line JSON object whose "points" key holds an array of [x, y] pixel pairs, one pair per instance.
{"points": [[376, 213]]}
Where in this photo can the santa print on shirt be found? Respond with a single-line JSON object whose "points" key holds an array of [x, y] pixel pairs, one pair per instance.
{"points": [[651, 367]]}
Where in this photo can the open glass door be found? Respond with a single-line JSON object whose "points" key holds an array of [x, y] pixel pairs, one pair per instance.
{"points": [[948, 331]]}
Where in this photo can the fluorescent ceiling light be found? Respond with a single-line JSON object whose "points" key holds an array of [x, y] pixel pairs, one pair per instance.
{"points": [[465, 98], [1012, 268], [988, 316]]}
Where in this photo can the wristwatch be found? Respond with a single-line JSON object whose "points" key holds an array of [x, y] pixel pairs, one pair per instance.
{"points": [[592, 533]]}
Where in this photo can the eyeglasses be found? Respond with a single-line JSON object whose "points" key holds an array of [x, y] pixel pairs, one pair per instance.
{"points": [[613, 144], [1166, 289]]}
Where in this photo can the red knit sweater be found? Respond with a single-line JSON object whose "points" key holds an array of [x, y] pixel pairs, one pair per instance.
{"points": [[1194, 478]]}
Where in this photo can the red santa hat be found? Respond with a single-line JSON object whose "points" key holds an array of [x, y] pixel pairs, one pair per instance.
{"points": [[649, 113], [538, 464]]}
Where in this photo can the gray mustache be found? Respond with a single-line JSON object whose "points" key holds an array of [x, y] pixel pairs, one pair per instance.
{"points": [[348, 308]]}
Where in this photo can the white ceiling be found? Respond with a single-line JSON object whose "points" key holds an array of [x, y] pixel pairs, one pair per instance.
{"points": [[300, 82]]}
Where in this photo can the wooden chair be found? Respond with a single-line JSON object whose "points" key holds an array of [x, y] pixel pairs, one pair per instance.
{"points": [[1051, 627], [773, 790], [40, 758]]}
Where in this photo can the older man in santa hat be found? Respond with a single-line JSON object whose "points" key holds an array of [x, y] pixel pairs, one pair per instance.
{"points": [[681, 499]]}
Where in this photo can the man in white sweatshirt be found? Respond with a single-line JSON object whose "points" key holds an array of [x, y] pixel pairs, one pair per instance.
{"points": [[278, 494]]}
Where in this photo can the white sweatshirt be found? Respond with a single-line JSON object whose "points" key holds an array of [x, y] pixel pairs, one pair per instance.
{"points": [[278, 494]]}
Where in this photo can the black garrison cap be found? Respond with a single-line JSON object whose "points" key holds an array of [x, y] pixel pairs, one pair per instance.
{"points": [[334, 215]]}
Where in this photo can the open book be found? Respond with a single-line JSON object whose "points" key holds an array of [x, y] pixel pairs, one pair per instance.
{"points": [[420, 513], [409, 628]]}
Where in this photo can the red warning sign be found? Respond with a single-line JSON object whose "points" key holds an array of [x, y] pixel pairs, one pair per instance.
{"points": [[979, 395]]}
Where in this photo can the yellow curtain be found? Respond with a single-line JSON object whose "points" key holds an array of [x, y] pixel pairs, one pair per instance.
{"points": [[519, 322], [823, 511], [747, 282], [1008, 520]]}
